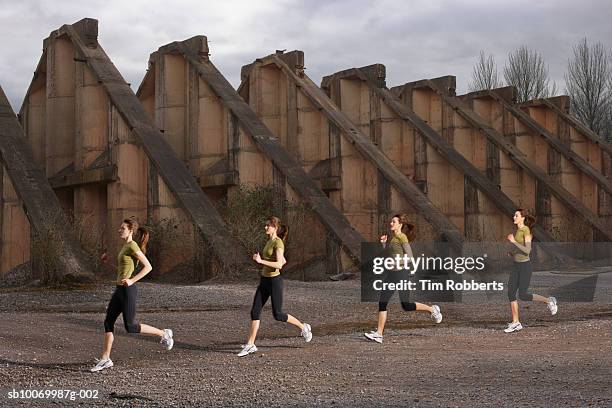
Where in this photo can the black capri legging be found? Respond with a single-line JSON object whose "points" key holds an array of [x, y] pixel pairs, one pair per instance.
{"points": [[385, 295], [123, 301], [269, 287], [520, 276]]}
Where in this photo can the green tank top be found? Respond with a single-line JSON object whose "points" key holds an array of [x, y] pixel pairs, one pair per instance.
{"points": [[519, 236], [125, 260], [269, 254]]}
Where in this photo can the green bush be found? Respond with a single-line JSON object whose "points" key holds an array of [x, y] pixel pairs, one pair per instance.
{"points": [[246, 209]]}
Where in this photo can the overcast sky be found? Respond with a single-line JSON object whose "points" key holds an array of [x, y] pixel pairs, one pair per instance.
{"points": [[414, 39]]}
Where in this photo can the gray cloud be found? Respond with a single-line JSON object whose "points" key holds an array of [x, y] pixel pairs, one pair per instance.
{"points": [[415, 40]]}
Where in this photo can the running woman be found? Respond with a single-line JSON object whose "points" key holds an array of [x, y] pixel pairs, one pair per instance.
{"points": [[520, 276], [124, 297], [271, 285], [399, 245]]}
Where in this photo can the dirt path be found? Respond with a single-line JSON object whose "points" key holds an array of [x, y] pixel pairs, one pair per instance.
{"points": [[49, 339]]}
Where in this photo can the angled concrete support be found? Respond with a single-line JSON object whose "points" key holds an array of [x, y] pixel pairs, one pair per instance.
{"points": [[40, 204], [542, 184], [553, 115], [98, 145], [489, 225], [326, 141], [225, 143]]}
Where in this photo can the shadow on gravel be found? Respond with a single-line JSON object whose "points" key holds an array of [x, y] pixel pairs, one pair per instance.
{"points": [[45, 366], [102, 309], [327, 329], [361, 327], [232, 347]]}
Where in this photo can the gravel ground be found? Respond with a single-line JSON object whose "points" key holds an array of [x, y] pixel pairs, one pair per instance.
{"points": [[50, 337]]}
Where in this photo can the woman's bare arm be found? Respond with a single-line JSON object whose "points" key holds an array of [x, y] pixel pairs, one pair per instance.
{"points": [[524, 248], [280, 260]]}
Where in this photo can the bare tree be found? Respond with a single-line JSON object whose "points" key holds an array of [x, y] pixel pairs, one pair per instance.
{"points": [[484, 75], [607, 132], [588, 82], [527, 72]]}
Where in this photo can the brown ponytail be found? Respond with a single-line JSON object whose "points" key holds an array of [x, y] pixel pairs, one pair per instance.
{"points": [[141, 235], [407, 227], [529, 219], [281, 229]]}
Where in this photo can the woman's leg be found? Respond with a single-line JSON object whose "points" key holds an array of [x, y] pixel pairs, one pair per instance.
{"points": [[404, 296], [514, 309], [108, 345], [383, 302], [539, 298], [150, 330], [277, 304], [513, 286], [112, 313], [422, 307], [253, 329], [129, 315], [277, 309], [409, 306], [259, 300], [526, 270], [292, 320], [382, 320], [524, 279]]}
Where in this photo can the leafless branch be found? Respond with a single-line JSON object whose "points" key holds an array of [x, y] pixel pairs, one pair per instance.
{"points": [[484, 75], [527, 72]]}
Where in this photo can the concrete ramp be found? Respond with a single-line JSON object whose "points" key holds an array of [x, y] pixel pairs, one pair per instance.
{"points": [[572, 159], [376, 93], [553, 114], [41, 205], [544, 183], [349, 148], [97, 142], [241, 118]]}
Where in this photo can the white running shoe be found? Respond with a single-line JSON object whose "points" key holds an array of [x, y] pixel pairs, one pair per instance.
{"points": [[374, 336], [552, 305], [435, 314], [167, 341], [512, 327], [101, 365], [247, 349], [307, 332]]}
